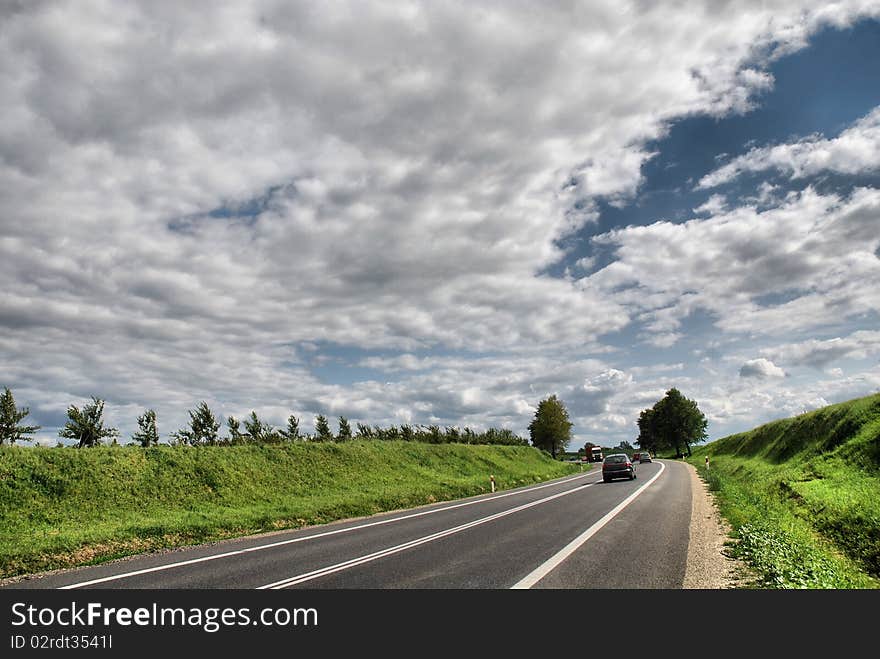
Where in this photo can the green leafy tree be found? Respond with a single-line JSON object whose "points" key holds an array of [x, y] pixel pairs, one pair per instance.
{"points": [[388, 434], [261, 432], [681, 421], [86, 425], [433, 435], [9, 418], [148, 432], [292, 433], [344, 433], [235, 434], [649, 436], [365, 432], [675, 422], [550, 430], [322, 429], [254, 428], [203, 427]]}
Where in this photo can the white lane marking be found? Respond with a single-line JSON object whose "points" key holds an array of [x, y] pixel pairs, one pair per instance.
{"points": [[545, 568], [203, 559], [388, 551]]}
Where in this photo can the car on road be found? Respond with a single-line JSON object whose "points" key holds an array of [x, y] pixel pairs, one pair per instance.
{"points": [[617, 465], [645, 457], [637, 457]]}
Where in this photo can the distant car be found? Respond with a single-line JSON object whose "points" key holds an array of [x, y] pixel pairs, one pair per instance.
{"points": [[645, 457], [617, 465], [637, 457]]}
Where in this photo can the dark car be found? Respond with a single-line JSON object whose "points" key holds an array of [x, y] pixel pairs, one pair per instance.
{"points": [[617, 465], [644, 457], [637, 457]]}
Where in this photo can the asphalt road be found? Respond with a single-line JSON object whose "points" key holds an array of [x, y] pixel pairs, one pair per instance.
{"points": [[575, 532]]}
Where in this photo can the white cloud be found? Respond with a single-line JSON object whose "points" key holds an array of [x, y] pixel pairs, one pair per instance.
{"points": [[594, 396], [814, 253], [715, 204], [663, 340], [856, 150], [192, 199], [820, 353], [760, 368]]}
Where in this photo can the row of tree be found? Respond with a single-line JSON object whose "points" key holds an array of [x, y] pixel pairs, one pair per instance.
{"points": [[86, 427], [673, 423]]}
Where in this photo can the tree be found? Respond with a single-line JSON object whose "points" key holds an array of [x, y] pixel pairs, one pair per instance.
{"points": [[86, 426], [649, 437], [261, 433], [148, 433], [344, 433], [9, 418], [292, 433], [675, 422], [322, 429], [203, 427], [235, 434], [550, 430], [681, 421]]}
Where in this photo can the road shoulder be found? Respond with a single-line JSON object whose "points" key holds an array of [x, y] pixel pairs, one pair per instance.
{"points": [[708, 565]]}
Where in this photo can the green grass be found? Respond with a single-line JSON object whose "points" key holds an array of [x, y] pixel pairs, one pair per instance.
{"points": [[802, 496], [61, 507]]}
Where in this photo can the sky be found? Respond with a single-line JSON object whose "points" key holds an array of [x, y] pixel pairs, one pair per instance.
{"points": [[439, 212]]}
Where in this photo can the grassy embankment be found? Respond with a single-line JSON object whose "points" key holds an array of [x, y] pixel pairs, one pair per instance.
{"points": [[61, 507], [802, 496]]}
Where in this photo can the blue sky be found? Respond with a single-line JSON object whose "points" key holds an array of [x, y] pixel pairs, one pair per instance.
{"points": [[439, 214]]}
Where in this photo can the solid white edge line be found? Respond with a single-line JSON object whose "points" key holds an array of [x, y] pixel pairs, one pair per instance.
{"points": [[204, 559], [394, 549], [550, 564]]}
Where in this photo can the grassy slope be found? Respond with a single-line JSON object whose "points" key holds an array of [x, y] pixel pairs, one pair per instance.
{"points": [[803, 496], [64, 507]]}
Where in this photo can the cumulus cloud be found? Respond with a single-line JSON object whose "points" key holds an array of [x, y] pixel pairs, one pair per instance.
{"points": [[760, 368], [817, 249], [856, 150], [713, 205], [594, 396], [820, 353], [191, 197]]}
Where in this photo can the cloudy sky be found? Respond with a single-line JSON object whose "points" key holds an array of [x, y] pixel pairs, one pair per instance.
{"points": [[439, 212]]}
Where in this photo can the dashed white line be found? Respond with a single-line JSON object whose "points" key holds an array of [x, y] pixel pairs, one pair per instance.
{"points": [[213, 557], [388, 551]]}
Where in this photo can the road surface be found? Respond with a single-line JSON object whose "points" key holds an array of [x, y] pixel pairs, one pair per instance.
{"points": [[574, 532]]}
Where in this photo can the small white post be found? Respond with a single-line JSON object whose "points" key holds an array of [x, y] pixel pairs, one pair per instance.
{"points": [[492, 481]]}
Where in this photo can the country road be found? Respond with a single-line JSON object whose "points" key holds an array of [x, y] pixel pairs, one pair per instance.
{"points": [[574, 532]]}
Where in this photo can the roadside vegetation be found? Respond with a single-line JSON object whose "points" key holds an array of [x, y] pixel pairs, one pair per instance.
{"points": [[62, 507], [802, 496], [86, 429]]}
